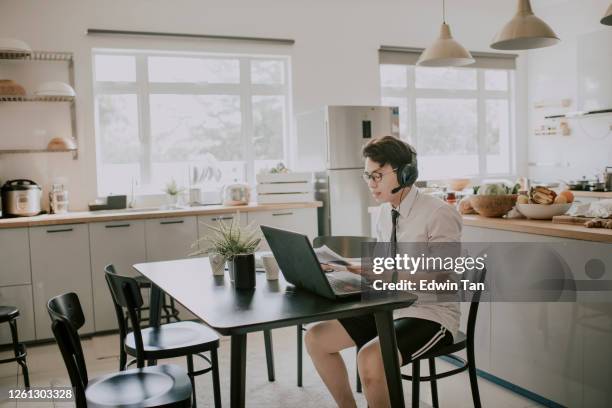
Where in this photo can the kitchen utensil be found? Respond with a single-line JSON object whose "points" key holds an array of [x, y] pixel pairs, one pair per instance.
{"points": [[21, 198], [236, 194], [10, 87], [61, 143], [542, 211], [54, 88], [493, 205], [569, 220], [597, 186]]}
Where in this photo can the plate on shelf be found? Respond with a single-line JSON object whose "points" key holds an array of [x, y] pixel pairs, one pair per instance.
{"points": [[13, 46], [54, 88]]}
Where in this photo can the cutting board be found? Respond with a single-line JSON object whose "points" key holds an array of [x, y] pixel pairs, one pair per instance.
{"points": [[569, 219]]}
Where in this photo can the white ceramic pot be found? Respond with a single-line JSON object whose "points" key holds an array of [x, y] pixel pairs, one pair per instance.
{"points": [[217, 264]]}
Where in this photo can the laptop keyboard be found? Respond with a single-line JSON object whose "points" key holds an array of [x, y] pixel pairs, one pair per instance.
{"points": [[342, 286]]}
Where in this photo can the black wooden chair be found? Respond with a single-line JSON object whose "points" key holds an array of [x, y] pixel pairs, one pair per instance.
{"points": [[463, 341], [185, 338], [348, 247], [10, 314], [159, 386]]}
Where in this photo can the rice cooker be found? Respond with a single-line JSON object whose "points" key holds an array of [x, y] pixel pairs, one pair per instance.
{"points": [[20, 198]]}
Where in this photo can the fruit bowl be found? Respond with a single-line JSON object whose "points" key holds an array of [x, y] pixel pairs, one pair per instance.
{"points": [[493, 205], [542, 211]]}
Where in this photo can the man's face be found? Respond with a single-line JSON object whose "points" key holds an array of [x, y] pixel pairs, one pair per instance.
{"points": [[381, 190]]}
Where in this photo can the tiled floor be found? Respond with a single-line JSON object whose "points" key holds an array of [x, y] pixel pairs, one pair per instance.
{"points": [[47, 369]]}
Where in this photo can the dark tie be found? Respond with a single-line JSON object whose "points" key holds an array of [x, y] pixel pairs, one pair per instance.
{"points": [[394, 216]]}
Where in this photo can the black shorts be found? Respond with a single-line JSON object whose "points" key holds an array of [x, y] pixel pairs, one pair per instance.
{"points": [[414, 336]]}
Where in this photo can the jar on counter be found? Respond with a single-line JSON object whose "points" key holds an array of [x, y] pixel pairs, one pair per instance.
{"points": [[58, 199], [451, 198]]}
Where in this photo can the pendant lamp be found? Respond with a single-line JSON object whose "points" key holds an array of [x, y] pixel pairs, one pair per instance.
{"points": [[525, 31], [607, 20]]}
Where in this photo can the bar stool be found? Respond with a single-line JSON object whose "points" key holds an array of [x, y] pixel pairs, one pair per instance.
{"points": [[9, 314]]}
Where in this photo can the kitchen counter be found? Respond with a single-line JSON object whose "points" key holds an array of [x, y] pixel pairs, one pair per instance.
{"points": [[593, 194], [540, 227], [135, 214]]}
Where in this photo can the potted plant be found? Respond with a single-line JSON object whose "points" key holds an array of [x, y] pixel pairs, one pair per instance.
{"points": [[172, 191], [237, 246]]}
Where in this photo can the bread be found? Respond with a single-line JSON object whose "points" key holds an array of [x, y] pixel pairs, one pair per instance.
{"points": [[10, 87], [542, 195]]}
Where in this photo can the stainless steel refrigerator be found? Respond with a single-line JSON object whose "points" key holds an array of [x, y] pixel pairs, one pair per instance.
{"points": [[329, 143]]}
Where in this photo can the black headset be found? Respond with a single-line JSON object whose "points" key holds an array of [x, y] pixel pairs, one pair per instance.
{"points": [[407, 173]]}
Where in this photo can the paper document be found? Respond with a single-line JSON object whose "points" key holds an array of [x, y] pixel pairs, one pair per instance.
{"points": [[333, 259]]}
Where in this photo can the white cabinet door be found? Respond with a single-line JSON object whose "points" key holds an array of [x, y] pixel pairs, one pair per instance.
{"points": [[60, 264], [302, 220], [212, 220], [15, 256], [20, 297], [170, 238], [121, 243]]}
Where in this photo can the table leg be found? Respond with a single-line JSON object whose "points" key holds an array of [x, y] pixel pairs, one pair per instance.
{"points": [[388, 346], [269, 354], [238, 370], [155, 306]]}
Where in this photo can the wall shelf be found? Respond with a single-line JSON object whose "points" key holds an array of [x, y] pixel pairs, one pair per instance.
{"points": [[21, 151], [36, 56], [36, 98]]}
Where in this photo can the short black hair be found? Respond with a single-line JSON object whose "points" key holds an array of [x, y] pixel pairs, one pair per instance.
{"points": [[388, 149]]}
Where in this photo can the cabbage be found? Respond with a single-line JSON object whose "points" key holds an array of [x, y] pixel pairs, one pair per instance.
{"points": [[492, 189]]}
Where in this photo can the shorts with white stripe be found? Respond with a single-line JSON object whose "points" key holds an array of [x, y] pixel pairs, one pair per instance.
{"points": [[415, 337]]}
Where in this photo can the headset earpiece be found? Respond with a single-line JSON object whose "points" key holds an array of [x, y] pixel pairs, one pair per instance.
{"points": [[407, 173]]}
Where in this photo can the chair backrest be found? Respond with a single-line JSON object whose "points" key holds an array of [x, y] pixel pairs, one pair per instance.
{"points": [[346, 246], [478, 277], [66, 319], [126, 295]]}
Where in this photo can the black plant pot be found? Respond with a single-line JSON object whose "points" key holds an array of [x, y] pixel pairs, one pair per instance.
{"points": [[244, 271]]}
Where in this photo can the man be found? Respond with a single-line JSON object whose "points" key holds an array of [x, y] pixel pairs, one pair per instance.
{"points": [[406, 215]]}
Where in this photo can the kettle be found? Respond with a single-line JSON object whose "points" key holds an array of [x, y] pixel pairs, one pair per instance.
{"points": [[236, 194]]}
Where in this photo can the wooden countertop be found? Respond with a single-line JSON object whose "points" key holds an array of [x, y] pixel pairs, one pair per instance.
{"points": [[134, 214], [593, 194], [540, 227]]}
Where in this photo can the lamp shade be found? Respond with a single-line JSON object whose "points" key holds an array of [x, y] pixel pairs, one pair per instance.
{"points": [[445, 52], [525, 31], [607, 20]]}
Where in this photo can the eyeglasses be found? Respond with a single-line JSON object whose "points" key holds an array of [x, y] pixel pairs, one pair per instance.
{"points": [[375, 176]]}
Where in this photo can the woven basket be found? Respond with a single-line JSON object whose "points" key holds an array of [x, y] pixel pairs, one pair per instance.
{"points": [[493, 205]]}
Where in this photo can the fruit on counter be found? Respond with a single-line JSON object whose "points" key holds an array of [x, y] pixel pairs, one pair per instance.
{"points": [[560, 199], [569, 196], [542, 195], [522, 199], [465, 206]]}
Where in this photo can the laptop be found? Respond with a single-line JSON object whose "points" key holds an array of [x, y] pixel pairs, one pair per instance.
{"points": [[300, 266]]}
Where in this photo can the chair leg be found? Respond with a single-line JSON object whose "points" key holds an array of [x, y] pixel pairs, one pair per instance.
{"points": [[416, 378], [18, 349], [269, 354], [215, 377], [473, 377], [299, 354], [190, 371], [434, 383], [357, 372]]}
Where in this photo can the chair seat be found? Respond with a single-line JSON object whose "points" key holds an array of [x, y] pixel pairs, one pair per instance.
{"points": [[459, 343], [174, 340], [8, 313], [145, 387]]}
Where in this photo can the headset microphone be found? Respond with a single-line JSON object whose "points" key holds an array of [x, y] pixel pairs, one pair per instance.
{"points": [[396, 189]]}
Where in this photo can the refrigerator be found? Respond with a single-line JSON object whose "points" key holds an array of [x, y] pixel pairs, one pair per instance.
{"points": [[329, 143]]}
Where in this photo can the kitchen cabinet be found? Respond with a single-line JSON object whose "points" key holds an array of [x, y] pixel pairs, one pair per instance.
{"points": [[121, 243], [60, 264], [15, 255], [302, 220], [171, 238], [213, 220], [21, 297]]}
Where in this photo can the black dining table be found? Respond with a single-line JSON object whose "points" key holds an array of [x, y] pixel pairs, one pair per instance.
{"points": [[272, 304]]}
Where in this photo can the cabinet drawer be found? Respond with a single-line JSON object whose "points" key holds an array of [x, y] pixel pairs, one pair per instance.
{"points": [[15, 255], [302, 220], [20, 297], [212, 220], [121, 243], [60, 264], [170, 238]]}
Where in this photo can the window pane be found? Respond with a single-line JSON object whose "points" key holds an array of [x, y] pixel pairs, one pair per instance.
{"points": [[447, 137], [267, 72], [184, 69], [496, 80], [117, 127], [394, 76], [402, 104], [498, 136], [268, 127], [445, 78], [117, 68]]}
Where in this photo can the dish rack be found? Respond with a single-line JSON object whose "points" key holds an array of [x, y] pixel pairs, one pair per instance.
{"points": [[277, 188]]}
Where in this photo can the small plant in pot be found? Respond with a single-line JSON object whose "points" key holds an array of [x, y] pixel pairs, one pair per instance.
{"points": [[237, 246]]}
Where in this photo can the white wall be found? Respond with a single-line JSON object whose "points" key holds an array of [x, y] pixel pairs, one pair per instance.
{"points": [[554, 75], [334, 58]]}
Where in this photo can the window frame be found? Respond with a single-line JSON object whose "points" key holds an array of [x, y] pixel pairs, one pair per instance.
{"points": [[411, 93], [143, 89]]}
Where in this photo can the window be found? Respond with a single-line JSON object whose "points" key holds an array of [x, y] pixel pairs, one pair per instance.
{"points": [[458, 119], [159, 113]]}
